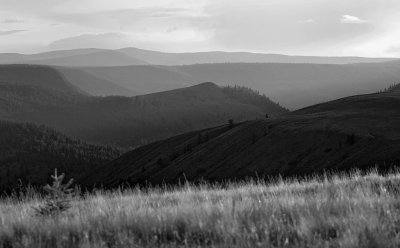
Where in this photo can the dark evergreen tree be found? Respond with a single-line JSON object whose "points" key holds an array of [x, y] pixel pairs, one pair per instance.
{"points": [[58, 196]]}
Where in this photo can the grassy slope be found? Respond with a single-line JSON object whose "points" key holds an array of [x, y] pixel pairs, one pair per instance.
{"points": [[356, 211], [358, 131]]}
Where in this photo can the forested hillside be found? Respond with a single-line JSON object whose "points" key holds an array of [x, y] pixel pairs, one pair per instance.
{"points": [[132, 121], [29, 154]]}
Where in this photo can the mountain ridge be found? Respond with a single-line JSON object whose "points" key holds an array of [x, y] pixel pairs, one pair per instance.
{"points": [[135, 56]]}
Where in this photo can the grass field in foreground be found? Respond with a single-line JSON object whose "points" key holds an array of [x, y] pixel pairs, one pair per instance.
{"points": [[338, 211]]}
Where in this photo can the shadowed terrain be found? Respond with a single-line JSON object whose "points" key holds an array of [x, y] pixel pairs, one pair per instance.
{"points": [[29, 154], [360, 131]]}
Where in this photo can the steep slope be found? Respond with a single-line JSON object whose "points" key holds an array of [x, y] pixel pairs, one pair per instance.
{"points": [[30, 153], [126, 121], [360, 131]]}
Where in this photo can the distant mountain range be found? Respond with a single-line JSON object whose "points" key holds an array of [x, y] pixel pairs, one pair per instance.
{"points": [[135, 56], [42, 95], [293, 81], [355, 132]]}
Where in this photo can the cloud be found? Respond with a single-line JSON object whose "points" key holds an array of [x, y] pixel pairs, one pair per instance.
{"points": [[311, 27], [9, 32], [307, 21], [12, 20], [349, 19]]}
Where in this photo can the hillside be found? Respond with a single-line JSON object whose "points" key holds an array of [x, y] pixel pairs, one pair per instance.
{"points": [[292, 85], [93, 85], [36, 75], [118, 120], [30, 153], [144, 79], [133, 121], [360, 131], [134, 56], [28, 88]]}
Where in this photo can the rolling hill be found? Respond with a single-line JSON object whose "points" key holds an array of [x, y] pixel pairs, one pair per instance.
{"points": [[35, 75], [144, 79], [360, 131], [293, 85], [93, 85], [139, 120], [134, 56], [30, 88], [30, 153], [41, 95]]}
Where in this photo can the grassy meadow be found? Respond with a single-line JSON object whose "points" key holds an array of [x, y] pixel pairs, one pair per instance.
{"points": [[336, 211]]}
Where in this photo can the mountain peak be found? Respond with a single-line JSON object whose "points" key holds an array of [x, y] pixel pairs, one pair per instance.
{"points": [[206, 85]]}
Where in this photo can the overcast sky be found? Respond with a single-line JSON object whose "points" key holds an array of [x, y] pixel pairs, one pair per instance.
{"points": [[304, 27]]}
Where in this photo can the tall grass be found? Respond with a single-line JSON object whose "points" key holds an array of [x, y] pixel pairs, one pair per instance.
{"points": [[337, 211]]}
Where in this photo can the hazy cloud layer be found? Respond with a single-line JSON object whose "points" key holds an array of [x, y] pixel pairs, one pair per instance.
{"points": [[8, 32], [314, 27]]}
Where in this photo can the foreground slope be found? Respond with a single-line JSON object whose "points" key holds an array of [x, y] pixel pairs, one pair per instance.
{"points": [[338, 211], [29, 154], [360, 131]]}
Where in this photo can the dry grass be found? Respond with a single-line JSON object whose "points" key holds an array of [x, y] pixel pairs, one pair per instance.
{"points": [[342, 211]]}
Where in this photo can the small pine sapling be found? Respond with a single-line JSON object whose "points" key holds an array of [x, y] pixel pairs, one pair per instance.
{"points": [[58, 198]]}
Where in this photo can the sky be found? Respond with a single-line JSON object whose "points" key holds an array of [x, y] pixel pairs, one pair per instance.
{"points": [[369, 28]]}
